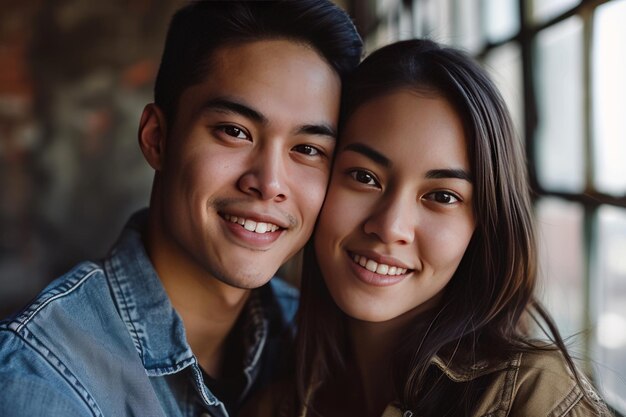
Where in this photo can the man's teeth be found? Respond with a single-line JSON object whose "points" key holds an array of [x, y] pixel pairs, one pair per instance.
{"points": [[381, 269], [251, 225]]}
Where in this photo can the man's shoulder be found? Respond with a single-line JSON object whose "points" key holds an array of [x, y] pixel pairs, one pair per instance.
{"points": [[70, 347], [59, 293], [34, 347], [69, 308]]}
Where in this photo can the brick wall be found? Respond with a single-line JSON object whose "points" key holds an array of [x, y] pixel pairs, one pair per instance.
{"points": [[74, 77]]}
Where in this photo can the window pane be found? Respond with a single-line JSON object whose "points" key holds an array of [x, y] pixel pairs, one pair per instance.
{"points": [[432, 19], [505, 66], [379, 37], [560, 163], [611, 281], [501, 19], [561, 266], [609, 86], [546, 9], [387, 30], [467, 26], [405, 23]]}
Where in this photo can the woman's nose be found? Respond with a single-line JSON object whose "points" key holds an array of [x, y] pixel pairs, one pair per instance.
{"points": [[394, 221]]}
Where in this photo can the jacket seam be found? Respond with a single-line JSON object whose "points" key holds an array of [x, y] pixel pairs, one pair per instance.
{"points": [[509, 387], [61, 369], [125, 309], [53, 298], [566, 405], [505, 401]]}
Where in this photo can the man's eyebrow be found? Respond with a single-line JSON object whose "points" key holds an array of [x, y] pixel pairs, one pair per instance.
{"points": [[319, 130], [371, 153], [229, 105], [449, 173], [233, 106]]}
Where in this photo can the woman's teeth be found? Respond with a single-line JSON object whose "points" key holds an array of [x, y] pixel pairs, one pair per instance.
{"points": [[381, 269], [251, 225]]}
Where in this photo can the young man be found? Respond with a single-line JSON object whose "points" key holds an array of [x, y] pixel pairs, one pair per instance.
{"points": [[179, 319]]}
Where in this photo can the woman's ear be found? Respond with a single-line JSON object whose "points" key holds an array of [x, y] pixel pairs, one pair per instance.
{"points": [[152, 135]]}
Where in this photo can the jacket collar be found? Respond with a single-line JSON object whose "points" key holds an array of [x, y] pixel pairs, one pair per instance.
{"points": [[468, 371], [155, 327]]}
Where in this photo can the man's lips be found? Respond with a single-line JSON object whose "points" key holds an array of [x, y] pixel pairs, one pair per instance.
{"points": [[250, 225]]}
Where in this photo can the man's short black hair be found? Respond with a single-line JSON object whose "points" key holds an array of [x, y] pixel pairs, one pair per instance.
{"points": [[201, 27]]}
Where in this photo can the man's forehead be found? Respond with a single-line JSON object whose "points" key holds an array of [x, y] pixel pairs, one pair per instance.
{"points": [[276, 77], [265, 56]]}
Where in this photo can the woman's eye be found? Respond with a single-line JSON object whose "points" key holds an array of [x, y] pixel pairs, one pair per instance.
{"points": [[363, 177], [307, 150], [443, 197], [234, 131]]}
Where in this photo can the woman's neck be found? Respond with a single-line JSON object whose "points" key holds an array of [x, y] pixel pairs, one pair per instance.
{"points": [[372, 351], [373, 348]]}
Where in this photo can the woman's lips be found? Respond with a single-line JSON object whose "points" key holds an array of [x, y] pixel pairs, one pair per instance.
{"points": [[377, 274]]}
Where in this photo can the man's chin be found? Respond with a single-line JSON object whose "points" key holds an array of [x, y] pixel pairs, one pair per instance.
{"points": [[246, 281]]}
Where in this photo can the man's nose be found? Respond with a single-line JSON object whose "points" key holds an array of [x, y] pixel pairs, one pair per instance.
{"points": [[266, 177]]}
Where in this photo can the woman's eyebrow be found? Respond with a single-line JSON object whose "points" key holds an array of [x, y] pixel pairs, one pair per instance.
{"points": [[370, 153], [449, 173], [381, 159]]}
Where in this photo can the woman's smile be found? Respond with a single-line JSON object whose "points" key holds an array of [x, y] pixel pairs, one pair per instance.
{"points": [[398, 216]]}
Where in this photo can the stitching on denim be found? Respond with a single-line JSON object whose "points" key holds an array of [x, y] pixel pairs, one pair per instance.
{"points": [[257, 327], [62, 370], [55, 297], [124, 307]]}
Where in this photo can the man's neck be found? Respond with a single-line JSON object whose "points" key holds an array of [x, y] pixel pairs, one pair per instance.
{"points": [[208, 307], [208, 315]]}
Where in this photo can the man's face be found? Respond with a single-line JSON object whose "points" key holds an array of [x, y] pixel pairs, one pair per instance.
{"points": [[247, 160]]}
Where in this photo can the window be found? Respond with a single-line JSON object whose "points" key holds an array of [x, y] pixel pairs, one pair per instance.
{"points": [[560, 129]]}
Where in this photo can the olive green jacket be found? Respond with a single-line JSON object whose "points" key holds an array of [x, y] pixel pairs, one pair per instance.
{"points": [[537, 384]]}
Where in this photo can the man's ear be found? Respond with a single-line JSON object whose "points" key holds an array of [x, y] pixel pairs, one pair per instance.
{"points": [[152, 135]]}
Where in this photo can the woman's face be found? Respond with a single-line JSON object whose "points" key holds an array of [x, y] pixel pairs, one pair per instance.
{"points": [[398, 215]]}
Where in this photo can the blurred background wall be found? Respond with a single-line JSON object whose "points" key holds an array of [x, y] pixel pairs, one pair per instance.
{"points": [[74, 77]]}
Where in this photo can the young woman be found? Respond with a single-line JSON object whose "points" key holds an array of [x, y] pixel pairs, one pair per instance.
{"points": [[417, 292]]}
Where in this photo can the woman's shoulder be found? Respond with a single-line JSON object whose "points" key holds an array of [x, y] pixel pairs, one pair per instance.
{"points": [[544, 384], [533, 382]]}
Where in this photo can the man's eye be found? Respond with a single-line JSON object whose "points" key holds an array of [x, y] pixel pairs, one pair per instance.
{"points": [[364, 177], [234, 131], [307, 150], [443, 197]]}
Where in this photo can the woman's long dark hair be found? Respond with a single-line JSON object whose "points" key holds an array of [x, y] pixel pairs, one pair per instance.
{"points": [[489, 302]]}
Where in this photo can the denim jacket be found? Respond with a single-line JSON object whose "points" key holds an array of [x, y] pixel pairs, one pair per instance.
{"points": [[104, 340]]}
